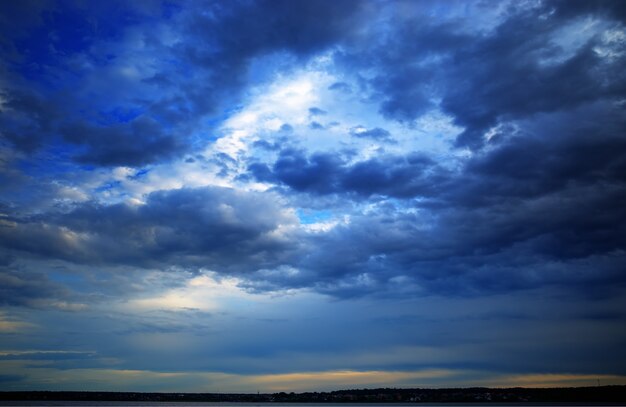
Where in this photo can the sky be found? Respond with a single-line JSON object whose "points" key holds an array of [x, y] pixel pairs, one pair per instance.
{"points": [[247, 195]]}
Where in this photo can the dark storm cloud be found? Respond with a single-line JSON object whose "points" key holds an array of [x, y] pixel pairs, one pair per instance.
{"points": [[525, 87], [552, 154], [113, 116], [481, 79], [243, 29], [215, 228], [541, 206], [112, 145], [554, 190], [32, 121], [467, 253], [327, 173]]}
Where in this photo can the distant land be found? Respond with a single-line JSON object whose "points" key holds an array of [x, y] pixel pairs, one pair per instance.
{"points": [[597, 394]]}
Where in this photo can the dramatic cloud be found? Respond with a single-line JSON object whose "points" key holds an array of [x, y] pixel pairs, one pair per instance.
{"points": [[214, 228], [151, 86], [257, 195], [534, 61]]}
